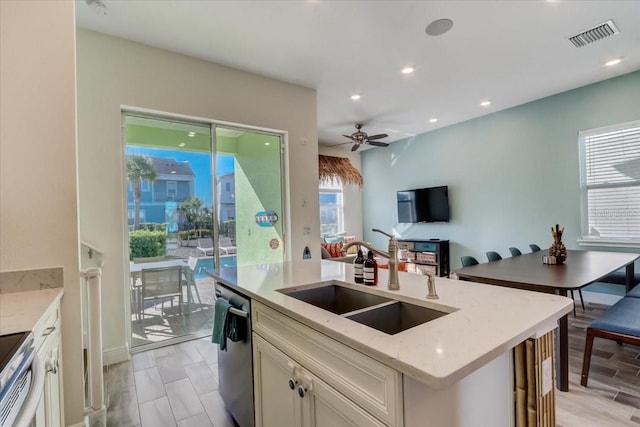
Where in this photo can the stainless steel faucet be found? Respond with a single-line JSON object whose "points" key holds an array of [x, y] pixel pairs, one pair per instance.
{"points": [[431, 286], [392, 255]]}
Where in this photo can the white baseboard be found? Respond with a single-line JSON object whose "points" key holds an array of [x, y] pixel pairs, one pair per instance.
{"points": [[115, 355], [598, 298]]}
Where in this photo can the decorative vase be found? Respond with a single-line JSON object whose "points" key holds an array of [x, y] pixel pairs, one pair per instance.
{"points": [[557, 249]]}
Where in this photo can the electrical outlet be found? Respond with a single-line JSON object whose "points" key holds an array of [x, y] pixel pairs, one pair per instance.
{"points": [[307, 230]]}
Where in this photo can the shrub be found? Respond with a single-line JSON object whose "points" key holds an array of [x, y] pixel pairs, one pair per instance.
{"points": [[153, 226], [228, 228], [145, 243]]}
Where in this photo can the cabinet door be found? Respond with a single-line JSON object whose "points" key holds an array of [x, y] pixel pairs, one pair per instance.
{"points": [[53, 413], [323, 406], [277, 405]]}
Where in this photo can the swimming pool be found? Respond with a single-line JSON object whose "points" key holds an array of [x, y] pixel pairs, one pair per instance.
{"points": [[207, 264]]}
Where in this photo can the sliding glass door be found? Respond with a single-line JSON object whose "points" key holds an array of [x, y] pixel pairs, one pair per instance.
{"points": [[199, 196]]}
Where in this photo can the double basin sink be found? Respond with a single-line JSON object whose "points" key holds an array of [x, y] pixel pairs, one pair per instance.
{"points": [[383, 314]]}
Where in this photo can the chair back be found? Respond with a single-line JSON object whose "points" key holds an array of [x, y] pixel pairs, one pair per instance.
{"points": [[224, 241], [468, 261], [534, 247], [493, 256], [161, 282], [205, 243], [192, 263], [515, 251]]}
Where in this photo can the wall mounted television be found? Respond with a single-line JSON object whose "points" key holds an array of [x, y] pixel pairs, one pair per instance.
{"points": [[423, 205]]}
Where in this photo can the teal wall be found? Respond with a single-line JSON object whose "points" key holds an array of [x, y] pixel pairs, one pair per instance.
{"points": [[511, 174]]}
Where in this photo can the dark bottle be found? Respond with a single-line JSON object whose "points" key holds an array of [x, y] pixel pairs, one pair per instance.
{"points": [[358, 265], [370, 270]]}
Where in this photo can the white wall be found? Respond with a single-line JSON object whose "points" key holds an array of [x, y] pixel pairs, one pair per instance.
{"points": [[38, 198], [352, 195], [113, 72], [511, 175]]}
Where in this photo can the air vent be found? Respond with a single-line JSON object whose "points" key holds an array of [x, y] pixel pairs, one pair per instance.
{"points": [[599, 32]]}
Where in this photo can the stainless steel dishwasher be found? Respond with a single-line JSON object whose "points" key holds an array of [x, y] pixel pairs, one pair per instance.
{"points": [[235, 365]]}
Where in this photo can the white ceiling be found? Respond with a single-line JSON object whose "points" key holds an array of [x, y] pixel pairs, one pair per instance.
{"points": [[510, 52]]}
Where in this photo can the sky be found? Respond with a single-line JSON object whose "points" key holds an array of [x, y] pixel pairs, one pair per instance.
{"points": [[200, 163]]}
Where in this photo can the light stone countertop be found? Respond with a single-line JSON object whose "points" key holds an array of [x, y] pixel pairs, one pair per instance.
{"points": [[21, 311], [483, 322]]}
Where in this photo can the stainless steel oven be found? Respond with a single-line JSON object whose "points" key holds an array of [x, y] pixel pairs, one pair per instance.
{"points": [[21, 380], [235, 365]]}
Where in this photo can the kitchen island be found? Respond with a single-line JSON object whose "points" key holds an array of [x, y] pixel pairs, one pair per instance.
{"points": [[455, 370]]}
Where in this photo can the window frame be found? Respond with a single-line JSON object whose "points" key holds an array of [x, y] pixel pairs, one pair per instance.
{"points": [[336, 188], [586, 239]]}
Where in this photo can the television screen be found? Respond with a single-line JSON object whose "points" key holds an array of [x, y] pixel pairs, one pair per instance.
{"points": [[423, 205]]}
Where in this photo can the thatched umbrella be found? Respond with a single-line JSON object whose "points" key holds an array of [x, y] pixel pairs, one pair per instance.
{"points": [[338, 168]]}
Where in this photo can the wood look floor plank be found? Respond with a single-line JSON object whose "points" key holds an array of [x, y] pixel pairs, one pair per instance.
{"points": [[183, 399], [149, 385], [171, 368], [157, 413], [200, 420], [202, 377]]}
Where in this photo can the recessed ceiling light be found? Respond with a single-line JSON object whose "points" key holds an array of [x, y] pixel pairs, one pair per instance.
{"points": [[182, 144], [267, 143], [355, 97], [433, 119], [173, 171], [439, 27], [192, 134], [613, 62], [408, 70], [485, 103]]}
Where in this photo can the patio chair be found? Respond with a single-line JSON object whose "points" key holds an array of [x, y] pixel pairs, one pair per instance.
{"points": [[190, 280], [225, 245], [205, 246], [161, 283]]}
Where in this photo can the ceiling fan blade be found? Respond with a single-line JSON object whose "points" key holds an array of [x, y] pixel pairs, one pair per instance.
{"points": [[378, 136], [347, 136], [355, 147], [378, 143]]}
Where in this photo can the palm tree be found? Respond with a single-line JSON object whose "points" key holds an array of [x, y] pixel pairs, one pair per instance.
{"points": [[192, 212], [139, 168]]}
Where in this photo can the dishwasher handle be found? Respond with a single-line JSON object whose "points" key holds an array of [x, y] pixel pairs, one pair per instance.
{"points": [[233, 310]]}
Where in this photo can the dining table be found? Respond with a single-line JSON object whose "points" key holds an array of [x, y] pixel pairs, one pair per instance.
{"points": [[528, 272]]}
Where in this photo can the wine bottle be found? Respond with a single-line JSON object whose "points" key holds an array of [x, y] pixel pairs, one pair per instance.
{"points": [[370, 270], [358, 265]]}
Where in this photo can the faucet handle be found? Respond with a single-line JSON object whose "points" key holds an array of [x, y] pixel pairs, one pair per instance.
{"points": [[377, 230]]}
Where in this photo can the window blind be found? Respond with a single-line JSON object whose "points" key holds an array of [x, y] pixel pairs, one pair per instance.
{"points": [[611, 182]]}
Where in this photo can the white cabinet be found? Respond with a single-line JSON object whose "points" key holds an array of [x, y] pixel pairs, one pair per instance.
{"points": [[288, 395], [304, 378], [48, 344]]}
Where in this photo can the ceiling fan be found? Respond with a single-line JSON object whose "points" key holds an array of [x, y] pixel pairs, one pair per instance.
{"points": [[359, 138]]}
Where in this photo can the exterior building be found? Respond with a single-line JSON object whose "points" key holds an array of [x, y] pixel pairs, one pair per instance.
{"points": [[159, 200], [227, 196]]}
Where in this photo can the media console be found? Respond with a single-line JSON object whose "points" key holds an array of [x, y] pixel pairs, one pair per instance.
{"points": [[425, 255]]}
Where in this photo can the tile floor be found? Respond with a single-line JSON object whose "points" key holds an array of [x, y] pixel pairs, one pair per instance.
{"points": [[177, 385], [169, 386]]}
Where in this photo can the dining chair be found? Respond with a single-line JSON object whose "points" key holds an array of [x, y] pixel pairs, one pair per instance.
{"points": [[581, 301], [468, 261], [515, 251], [534, 247], [161, 283], [493, 256]]}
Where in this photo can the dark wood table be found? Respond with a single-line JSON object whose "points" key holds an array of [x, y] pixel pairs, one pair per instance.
{"points": [[528, 272]]}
